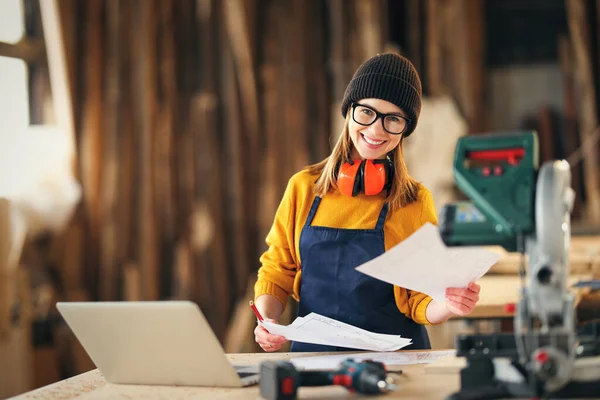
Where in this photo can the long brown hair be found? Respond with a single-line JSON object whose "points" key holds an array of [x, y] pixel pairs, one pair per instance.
{"points": [[404, 188]]}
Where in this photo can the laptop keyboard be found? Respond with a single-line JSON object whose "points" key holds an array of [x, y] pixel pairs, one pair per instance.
{"points": [[246, 370]]}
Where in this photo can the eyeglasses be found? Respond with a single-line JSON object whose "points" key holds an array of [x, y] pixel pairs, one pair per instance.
{"points": [[392, 123]]}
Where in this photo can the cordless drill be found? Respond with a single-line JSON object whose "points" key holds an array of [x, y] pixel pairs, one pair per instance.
{"points": [[280, 380]]}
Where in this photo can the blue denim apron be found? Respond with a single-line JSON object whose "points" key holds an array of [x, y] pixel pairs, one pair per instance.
{"points": [[332, 287]]}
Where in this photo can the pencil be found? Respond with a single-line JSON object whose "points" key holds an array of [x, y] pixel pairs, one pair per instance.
{"points": [[260, 318]]}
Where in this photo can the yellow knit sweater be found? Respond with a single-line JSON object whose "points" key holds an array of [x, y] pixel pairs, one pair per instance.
{"points": [[280, 273]]}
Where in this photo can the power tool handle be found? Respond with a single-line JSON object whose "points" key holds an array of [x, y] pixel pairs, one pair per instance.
{"points": [[315, 378]]}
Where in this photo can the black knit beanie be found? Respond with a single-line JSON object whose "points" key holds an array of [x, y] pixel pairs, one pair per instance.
{"points": [[389, 77]]}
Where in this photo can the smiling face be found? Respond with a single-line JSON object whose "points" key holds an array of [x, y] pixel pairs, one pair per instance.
{"points": [[373, 141]]}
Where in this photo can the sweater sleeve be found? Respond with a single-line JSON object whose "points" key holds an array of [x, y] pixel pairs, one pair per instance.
{"points": [[417, 302], [278, 263]]}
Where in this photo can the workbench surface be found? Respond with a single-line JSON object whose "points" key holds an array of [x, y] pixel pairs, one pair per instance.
{"points": [[413, 383]]}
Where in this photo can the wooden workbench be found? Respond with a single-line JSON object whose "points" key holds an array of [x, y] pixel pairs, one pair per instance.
{"points": [[413, 383]]}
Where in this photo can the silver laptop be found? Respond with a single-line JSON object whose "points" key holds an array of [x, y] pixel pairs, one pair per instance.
{"points": [[153, 343]]}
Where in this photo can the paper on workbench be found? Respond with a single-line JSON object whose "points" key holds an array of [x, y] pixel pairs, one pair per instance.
{"points": [[318, 329], [388, 358], [422, 262]]}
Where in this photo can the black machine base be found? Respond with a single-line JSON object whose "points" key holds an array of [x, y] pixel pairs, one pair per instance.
{"points": [[479, 379], [488, 387]]}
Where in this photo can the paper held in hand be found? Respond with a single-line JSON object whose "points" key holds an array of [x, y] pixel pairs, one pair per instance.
{"points": [[423, 263], [318, 329]]}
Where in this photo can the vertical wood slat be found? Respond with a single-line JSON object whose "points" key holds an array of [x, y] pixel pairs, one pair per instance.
{"points": [[238, 23], [369, 20], [68, 246], [209, 233], [294, 64], [180, 279], [91, 138], [475, 38], [414, 19], [565, 56], [317, 84], [433, 73], [588, 118], [234, 164], [338, 62], [127, 149], [144, 89], [55, 40], [164, 142], [110, 161], [186, 70], [271, 174]]}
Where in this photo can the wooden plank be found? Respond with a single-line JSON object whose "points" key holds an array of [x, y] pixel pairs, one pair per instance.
{"points": [[371, 24], [187, 64], [338, 59], [91, 137], [414, 22], [460, 34], [545, 131], [211, 277], [132, 290], [571, 139], [127, 151], [238, 34], [164, 145], [178, 280], [474, 15], [433, 72], [236, 190], [294, 81], [70, 13], [28, 49], [16, 361], [144, 89], [240, 333], [499, 290], [110, 160], [183, 273], [317, 85], [588, 119], [215, 274], [57, 63], [13, 233], [584, 250], [272, 180]]}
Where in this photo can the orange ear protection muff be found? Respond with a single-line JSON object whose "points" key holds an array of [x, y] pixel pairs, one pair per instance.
{"points": [[365, 176]]}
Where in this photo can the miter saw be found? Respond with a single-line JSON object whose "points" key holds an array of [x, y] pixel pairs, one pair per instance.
{"points": [[526, 209]]}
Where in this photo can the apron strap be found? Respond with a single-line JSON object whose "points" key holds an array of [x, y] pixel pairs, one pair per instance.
{"points": [[313, 211], [382, 215]]}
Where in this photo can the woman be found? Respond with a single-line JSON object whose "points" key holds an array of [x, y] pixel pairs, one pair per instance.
{"points": [[341, 212]]}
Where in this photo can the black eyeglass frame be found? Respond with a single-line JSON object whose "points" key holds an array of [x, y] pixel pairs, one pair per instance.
{"points": [[381, 116]]}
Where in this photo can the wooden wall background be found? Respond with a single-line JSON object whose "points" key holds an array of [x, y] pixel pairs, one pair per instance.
{"points": [[191, 115]]}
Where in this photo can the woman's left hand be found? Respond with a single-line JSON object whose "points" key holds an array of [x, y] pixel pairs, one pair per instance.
{"points": [[462, 301]]}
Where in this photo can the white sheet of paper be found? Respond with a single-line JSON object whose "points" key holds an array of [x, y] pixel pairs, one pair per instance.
{"points": [[318, 329], [388, 358], [422, 262]]}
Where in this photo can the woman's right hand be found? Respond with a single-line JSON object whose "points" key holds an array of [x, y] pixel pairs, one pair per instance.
{"points": [[267, 341]]}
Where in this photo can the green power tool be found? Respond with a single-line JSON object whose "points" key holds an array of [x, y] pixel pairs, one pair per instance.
{"points": [[497, 172]]}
